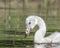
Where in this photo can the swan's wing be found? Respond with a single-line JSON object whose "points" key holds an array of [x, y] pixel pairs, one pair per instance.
{"points": [[54, 37]]}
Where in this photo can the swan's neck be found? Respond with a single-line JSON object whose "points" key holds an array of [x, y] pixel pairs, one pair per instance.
{"points": [[40, 33]]}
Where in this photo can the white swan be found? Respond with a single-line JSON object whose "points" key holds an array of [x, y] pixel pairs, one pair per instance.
{"points": [[31, 22]]}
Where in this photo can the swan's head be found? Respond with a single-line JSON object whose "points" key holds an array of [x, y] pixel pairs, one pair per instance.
{"points": [[31, 22]]}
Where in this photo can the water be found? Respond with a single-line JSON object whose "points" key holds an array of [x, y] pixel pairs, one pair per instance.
{"points": [[27, 46], [16, 44], [24, 44]]}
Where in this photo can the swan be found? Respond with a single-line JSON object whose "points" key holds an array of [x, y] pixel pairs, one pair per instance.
{"points": [[31, 22]]}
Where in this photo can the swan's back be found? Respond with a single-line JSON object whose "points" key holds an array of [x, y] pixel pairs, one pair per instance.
{"points": [[54, 37], [54, 34]]}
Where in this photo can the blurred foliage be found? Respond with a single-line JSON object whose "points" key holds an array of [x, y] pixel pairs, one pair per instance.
{"points": [[18, 10]]}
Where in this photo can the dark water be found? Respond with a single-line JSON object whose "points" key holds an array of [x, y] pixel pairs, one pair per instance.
{"points": [[15, 44], [24, 44]]}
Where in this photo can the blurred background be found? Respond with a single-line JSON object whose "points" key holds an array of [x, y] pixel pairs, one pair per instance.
{"points": [[13, 14]]}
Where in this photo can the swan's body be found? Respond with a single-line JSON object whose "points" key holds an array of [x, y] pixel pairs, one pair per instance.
{"points": [[31, 22]]}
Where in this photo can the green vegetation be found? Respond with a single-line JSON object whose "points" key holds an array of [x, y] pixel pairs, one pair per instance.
{"points": [[48, 10]]}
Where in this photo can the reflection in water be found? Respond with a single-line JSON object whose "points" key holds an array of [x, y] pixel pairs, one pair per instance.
{"points": [[27, 46]]}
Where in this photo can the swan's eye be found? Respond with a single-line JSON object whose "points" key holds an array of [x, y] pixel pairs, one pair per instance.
{"points": [[29, 22]]}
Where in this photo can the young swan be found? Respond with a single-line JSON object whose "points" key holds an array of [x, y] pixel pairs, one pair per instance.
{"points": [[31, 22]]}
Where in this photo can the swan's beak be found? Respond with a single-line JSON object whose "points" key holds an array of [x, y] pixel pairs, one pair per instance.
{"points": [[27, 32]]}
